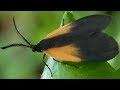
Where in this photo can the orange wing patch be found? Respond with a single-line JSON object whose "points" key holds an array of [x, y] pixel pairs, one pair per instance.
{"points": [[65, 53], [60, 31]]}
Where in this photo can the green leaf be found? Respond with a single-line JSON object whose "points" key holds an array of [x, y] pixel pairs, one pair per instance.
{"points": [[84, 70], [68, 17], [116, 74], [115, 62]]}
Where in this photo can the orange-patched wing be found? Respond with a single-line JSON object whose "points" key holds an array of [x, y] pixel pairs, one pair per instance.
{"points": [[98, 47], [65, 53], [81, 40], [83, 26]]}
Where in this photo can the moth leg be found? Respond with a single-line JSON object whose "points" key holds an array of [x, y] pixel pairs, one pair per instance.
{"points": [[46, 64], [56, 60], [65, 63]]}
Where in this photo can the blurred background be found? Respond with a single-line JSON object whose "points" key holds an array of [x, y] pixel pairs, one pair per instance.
{"points": [[22, 63]]}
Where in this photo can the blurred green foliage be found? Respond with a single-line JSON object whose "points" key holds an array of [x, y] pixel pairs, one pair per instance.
{"points": [[35, 25]]}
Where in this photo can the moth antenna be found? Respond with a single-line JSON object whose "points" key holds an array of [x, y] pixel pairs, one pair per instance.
{"points": [[12, 45], [19, 32]]}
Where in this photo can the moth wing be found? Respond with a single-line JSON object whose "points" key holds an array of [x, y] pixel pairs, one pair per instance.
{"points": [[99, 47], [64, 53], [84, 26], [91, 24], [69, 42]]}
